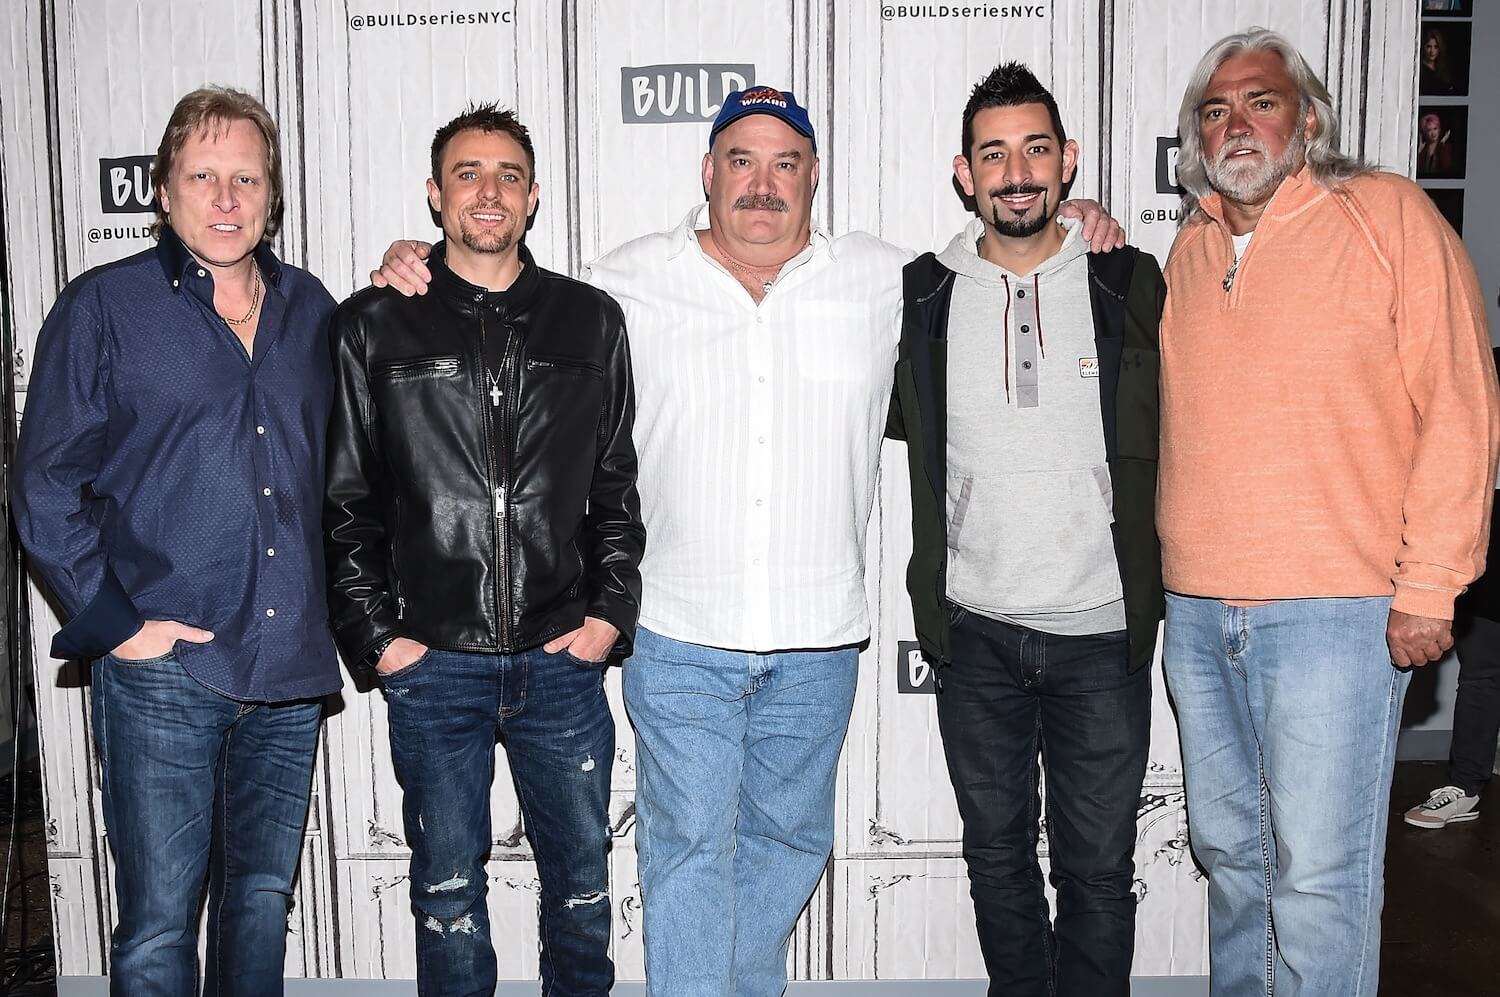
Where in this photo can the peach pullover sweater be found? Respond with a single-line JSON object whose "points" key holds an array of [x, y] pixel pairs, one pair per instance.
{"points": [[1329, 423]]}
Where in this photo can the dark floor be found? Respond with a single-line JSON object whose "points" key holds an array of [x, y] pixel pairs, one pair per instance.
{"points": [[1442, 901], [1442, 906]]}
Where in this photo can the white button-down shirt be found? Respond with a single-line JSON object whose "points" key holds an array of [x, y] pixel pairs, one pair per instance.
{"points": [[758, 429]]}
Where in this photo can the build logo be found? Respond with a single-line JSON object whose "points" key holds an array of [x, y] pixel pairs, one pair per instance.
{"points": [[692, 92], [913, 673], [125, 186]]}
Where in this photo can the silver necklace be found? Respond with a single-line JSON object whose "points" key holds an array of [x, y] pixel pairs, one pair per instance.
{"points": [[495, 391]]}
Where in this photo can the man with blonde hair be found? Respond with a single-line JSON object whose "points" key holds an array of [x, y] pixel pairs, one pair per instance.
{"points": [[1329, 422], [169, 491]]}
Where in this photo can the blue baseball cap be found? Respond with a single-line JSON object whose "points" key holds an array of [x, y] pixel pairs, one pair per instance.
{"points": [[764, 100]]}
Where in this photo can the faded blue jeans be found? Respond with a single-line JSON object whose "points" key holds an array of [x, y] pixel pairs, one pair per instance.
{"points": [[1288, 714], [736, 757], [199, 787], [446, 712]]}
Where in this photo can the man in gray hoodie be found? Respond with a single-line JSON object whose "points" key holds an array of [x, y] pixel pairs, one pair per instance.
{"points": [[1026, 389]]}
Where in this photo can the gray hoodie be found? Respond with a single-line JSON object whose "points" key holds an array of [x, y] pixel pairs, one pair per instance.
{"points": [[1029, 498]]}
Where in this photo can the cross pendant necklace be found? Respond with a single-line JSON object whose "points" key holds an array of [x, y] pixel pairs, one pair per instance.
{"points": [[495, 391]]}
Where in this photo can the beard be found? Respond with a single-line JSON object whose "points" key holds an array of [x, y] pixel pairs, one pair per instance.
{"points": [[1008, 224], [1252, 181], [489, 241]]}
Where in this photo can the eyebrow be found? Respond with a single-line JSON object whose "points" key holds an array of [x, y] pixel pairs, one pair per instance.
{"points": [[784, 154], [1033, 137], [1252, 95], [503, 164]]}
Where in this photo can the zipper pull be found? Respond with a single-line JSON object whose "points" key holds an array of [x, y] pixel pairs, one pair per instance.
{"points": [[1229, 276], [400, 607], [499, 503]]}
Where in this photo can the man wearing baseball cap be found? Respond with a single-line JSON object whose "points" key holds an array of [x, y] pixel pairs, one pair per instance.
{"points": [[762, 384]]}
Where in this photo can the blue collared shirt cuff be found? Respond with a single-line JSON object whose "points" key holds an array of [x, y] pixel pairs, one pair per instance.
{"points": [[104, 624]]}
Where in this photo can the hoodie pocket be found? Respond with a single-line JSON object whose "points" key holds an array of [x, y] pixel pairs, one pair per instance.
{"points": [[1034, 542], [958, 508]]}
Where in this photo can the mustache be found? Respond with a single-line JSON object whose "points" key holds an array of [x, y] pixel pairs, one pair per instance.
{"points": [[1010, 190], [1233, 145], [758, 202]]}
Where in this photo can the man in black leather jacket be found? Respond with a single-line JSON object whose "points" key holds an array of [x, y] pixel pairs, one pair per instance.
{"points": [[483, 542]]}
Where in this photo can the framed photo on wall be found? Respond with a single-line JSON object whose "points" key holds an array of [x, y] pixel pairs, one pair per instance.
{"points": [[1450, 204], [1442, 141], [1443, 59], [1448, 8]]}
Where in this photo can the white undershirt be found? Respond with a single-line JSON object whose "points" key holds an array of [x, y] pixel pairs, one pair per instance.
{"points": [[1240, 242]]}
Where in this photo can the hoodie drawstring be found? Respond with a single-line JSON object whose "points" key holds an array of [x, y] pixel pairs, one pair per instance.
{"points": [[1005, 333], [1036, 299]]}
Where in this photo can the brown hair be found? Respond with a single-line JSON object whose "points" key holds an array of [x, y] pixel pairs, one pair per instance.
{"points": [[210, 108], [490, 118]]}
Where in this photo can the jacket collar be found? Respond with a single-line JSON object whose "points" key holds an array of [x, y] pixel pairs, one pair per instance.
{"points": [[454, 288], [176, 260]]}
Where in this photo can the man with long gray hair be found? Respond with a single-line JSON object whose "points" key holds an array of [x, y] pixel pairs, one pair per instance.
{"points": [[1329, 422]]}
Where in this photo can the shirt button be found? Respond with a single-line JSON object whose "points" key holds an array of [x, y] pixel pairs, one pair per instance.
{"points": [[265, 491], [1025, 329], [1025, 364], [478, 296], [270, 551], [202, 273], [761, 379], [270, 612], [1021, 293], [261, 430], [176, 283], [760, 320], [760, 501], [761, 440], [755, 561]]}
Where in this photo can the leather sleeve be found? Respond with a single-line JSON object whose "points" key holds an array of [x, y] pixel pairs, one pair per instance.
{"points": [[361, 607], [614, 537]]}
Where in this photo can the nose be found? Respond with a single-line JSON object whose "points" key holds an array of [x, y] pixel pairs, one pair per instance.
{"points": [[762, 179], [1237, 123], [226, 198], [489, 187], [1017, 170]]}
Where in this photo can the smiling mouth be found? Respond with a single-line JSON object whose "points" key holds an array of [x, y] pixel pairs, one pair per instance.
{"points": [[225, 227], [488, 217]]}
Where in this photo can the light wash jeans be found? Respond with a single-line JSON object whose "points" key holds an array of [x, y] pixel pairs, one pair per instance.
{"points": [[736, 755], [1288, 714]]}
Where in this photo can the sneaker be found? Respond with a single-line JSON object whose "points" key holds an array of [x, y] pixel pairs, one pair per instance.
{"points": [[1445, 806]]}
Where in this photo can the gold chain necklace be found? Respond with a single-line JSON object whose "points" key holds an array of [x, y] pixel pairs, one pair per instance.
{"points": [[745, 268], [254, 299]]}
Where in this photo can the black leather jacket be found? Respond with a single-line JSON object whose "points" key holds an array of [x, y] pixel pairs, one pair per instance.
{"points": [[438, 529]]}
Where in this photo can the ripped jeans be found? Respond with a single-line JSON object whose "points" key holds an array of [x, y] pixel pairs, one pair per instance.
{"points": [[446, 712]]}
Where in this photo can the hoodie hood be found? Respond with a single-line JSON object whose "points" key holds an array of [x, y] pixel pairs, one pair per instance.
{"points": [[962, 255]]}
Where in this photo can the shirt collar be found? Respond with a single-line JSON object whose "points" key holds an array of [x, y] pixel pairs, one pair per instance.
{"points": [[175, 259], [685, 234]]}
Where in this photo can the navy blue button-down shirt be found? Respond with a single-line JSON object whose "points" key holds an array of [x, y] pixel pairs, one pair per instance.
{"points": [[164, 474]]}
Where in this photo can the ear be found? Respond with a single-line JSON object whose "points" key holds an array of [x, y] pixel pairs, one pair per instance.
{"points": [[816, 172], [164, 199], [962, 172], [531, 199], [708, 172], [1310, 122], [1069, 160], [434, 196]]}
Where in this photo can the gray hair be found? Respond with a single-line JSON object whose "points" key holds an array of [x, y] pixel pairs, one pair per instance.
{"points": [[1329, 167]]}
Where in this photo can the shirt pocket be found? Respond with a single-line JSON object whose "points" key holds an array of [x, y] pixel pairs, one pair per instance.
{"points": [[841, 343]]}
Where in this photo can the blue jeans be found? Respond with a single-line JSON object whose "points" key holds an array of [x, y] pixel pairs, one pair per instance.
{"points": [[736, 757], [1010, 694], [198, 786], [446, 712], [1288, 714]]}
